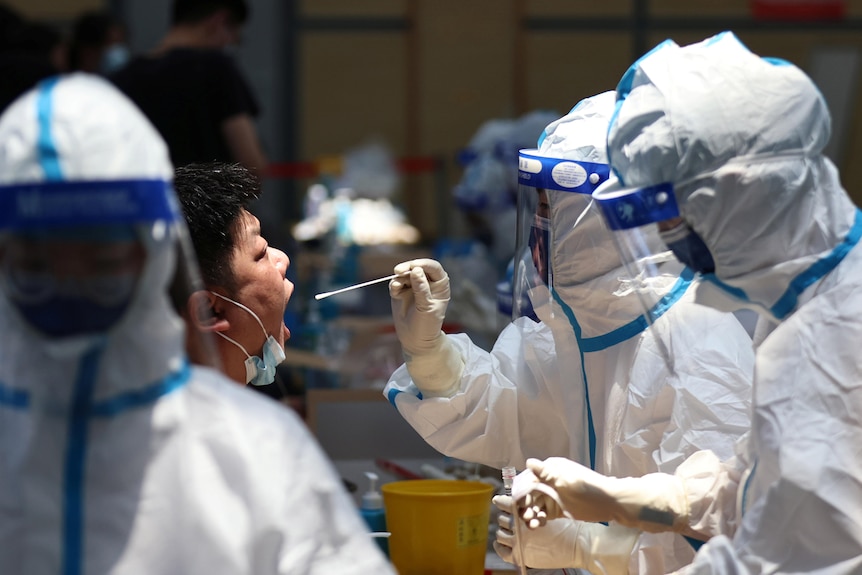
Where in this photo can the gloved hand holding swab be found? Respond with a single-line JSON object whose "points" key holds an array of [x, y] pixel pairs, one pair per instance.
{"points": [[357, 286]]}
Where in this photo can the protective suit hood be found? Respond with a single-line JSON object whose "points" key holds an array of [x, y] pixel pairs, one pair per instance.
{"points": [[79, 142], [588, 272], [743, 150]]}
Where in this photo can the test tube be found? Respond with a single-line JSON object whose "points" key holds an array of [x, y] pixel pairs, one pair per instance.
{"points": [[508, 479]]}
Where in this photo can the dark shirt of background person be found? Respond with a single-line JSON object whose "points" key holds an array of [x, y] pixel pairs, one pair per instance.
{"points": [[193, 92], [29, 52]]}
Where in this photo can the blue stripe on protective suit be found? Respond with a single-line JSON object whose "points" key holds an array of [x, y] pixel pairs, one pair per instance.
{"points": [[816, 271], [76, 453], [46, 148], [14, 398], [82, 410], [140, 397], [787, 302], [640, 323], [591, 428], [631, 329], [393, 393]]}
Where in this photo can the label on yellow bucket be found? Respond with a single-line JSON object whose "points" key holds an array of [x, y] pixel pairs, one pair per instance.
{"points": [[472, 530]]}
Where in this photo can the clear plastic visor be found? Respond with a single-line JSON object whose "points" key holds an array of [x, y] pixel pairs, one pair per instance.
{"points": [[78, 258], [553, 198]]}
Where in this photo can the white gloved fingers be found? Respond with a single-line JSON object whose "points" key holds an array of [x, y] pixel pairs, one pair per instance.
{"points": [[505, 553], [437, 278], [422, 293], [432, 269], [503, 502], [556, 545], [506, 537], [432, 274], [534, 516], [404, 267], [538, 507], [655, 502], [554, 470], [505, 522], [399, 288]]}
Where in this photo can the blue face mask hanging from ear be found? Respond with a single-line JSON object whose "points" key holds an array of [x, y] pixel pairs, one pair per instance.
{"points": [[689, 248], [258, 371]]}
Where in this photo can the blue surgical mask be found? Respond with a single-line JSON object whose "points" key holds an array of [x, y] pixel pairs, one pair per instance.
{"points": [[68, 307], [540, 247], [114, 57], [64, 317], [689, 248], [258, 371]]}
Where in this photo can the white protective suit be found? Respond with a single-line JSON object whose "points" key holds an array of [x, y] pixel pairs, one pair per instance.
{"points": [[741, 138], [116, 455], [527, 397]]}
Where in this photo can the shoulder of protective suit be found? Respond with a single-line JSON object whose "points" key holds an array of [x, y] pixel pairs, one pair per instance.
{"points": [[252, 417]]}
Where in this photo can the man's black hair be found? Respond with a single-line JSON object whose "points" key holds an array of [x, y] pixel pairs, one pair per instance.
{"points": [[193, 11], [213, 195], [91, 30]]}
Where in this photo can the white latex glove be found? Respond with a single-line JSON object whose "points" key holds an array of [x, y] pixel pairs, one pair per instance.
{"points": [[419, 302], [655, 502], [564, 543]]}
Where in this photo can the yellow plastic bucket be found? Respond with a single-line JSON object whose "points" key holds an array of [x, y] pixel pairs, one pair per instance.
{"points": [[439, 527]]}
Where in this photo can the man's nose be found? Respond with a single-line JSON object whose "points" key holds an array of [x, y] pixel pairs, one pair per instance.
{"points": [[282, 262]]}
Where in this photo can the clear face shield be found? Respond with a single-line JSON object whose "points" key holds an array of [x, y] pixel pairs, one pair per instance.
{"points": [[645, 221], [554, 207], [80, 260], [637, 217]]}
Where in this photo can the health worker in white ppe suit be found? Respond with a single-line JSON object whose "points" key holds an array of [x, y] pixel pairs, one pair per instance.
{"points": [[587, 381], [722, 150], [117, 455]]}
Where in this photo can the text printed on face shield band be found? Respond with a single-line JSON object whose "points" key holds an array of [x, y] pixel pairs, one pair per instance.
{"points": [[77, 203], [562, 175]]}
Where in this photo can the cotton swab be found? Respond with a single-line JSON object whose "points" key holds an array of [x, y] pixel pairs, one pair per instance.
{"points": [[357, 286]]}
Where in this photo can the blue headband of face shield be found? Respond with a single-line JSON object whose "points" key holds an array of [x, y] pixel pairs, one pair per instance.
{"points": [[537, 171], [626, 209], [101, 212], [56, 205]]}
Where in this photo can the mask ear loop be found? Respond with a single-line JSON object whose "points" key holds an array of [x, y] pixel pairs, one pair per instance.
{"points": [[254, 315], [236, 343], [233, 341]]}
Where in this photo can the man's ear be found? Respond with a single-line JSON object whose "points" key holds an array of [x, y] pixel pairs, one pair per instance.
{"points": [[206, 312]]}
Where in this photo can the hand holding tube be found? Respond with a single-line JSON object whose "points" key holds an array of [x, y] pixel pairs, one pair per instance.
{"points": [[564, 543], [655, 502]]}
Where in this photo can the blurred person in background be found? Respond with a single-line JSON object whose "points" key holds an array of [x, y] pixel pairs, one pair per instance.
{"points": [[29, 52], [98, 44], [117, 455], [488, 190], [193, 91]]}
